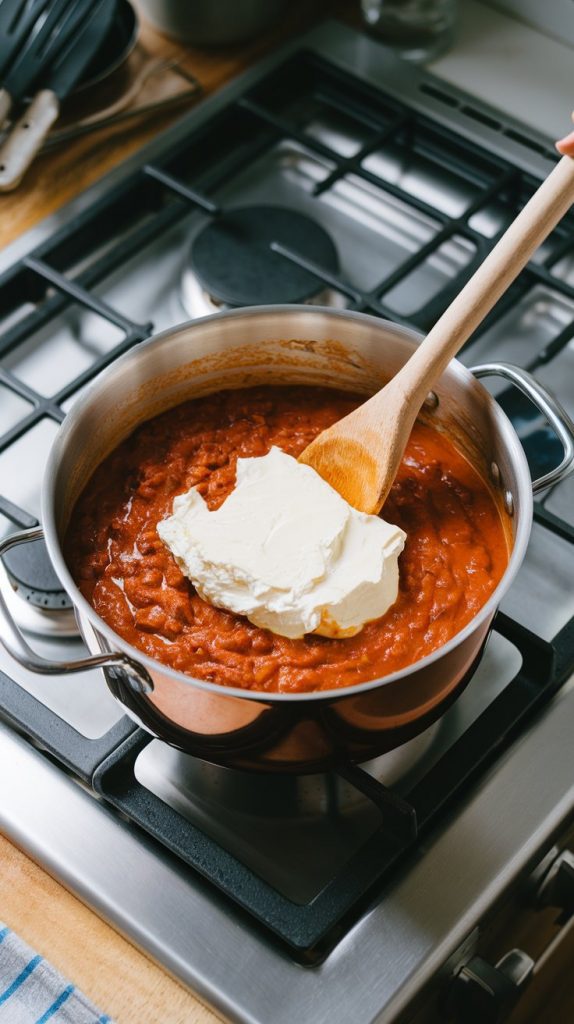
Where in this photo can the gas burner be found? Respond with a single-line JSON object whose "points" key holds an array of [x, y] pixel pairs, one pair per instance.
{"points": [[37, 599], [231, 262]]}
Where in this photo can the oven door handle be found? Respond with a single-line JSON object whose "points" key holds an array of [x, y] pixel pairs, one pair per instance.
{"points": [[557, 417], [13, 641]]}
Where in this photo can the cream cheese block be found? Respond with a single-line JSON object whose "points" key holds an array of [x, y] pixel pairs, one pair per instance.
{"points": [[287, 551]]}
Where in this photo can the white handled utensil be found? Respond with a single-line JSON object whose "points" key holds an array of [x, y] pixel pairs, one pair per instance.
{"points": [[95, 18], [34, 41], [18, 19], [360, 455]]}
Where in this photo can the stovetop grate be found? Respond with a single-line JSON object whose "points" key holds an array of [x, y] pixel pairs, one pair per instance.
{"points": [[311, 929], [66, 270]]}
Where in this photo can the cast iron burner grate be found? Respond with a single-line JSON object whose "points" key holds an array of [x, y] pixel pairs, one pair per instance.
{"points": [[189, 177], [311, 929]]}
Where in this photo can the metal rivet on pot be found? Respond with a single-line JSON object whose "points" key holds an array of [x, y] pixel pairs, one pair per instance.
{"points": [[494, 473], [431, 400], [509, 503]]}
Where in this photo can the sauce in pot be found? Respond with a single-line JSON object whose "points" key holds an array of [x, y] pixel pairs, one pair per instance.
{"points": [[455, 553]]}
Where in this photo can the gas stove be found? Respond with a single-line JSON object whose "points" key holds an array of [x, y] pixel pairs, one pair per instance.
{"points": [[331, 174]]}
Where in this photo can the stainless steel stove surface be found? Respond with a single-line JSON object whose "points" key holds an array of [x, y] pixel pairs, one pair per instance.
{"points": [[398, 185]]}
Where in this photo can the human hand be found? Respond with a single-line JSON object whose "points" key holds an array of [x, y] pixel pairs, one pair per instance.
{"points": [[566, 145]]}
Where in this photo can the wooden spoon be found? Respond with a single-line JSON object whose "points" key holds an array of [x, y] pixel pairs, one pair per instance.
{"points": [[360, 455]]}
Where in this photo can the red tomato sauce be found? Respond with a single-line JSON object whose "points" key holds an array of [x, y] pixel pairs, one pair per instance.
{"points": [[455, 552]]}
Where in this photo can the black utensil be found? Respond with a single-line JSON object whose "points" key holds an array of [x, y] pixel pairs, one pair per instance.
{"points": [[28, 134], [52, 31], [17, 19], [115, 48]]}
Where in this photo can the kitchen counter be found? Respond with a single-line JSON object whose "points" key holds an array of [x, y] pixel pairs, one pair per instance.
{"points": [[120, 980], [61, 174]]}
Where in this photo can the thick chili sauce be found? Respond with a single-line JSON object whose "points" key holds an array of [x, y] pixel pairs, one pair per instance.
{"points": [[455, 553]]}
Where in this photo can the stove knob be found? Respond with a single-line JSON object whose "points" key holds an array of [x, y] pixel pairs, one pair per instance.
{"points": [[482, 994], [556, 889]]}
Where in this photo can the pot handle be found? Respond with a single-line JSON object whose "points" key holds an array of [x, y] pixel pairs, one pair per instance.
{"points": [[557, 417], [13, 641]]}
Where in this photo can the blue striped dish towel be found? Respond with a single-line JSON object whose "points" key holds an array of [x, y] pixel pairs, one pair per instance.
{"points": [[34, 992]]}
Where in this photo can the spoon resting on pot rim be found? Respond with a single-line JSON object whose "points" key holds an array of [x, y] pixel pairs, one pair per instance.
{"points": [[359, 456]]}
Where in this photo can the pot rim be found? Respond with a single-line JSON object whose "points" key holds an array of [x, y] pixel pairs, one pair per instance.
{"points": [[463, 376]]}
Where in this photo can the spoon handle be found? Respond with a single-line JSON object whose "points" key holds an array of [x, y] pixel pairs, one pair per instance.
{"points": [[502, 265], [26, 138]]}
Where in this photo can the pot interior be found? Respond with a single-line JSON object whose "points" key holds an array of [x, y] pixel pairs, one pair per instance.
{"points": [[271, 346]]}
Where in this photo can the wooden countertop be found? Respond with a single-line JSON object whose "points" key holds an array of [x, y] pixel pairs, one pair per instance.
{"points": [[56, 177], [120, 980]]}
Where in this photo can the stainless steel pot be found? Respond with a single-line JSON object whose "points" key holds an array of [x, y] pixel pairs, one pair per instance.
{"points": [[211, 22], [274, 345]]}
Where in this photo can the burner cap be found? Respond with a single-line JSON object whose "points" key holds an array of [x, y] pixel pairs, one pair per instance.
{"points": [[233, 260], [30, 570]]}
